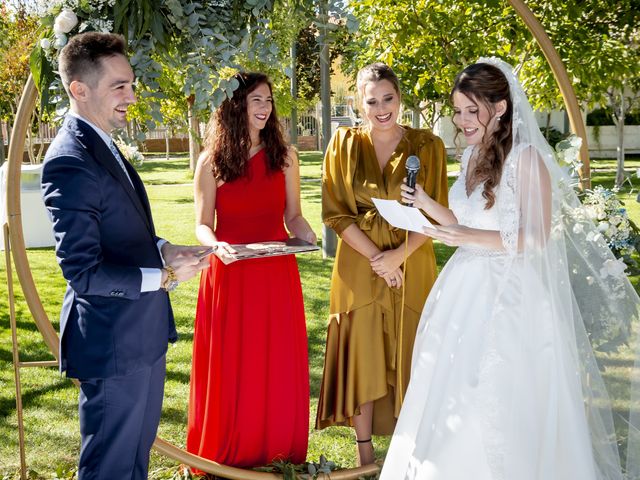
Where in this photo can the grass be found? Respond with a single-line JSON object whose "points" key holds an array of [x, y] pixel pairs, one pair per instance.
{"points": [[50, 401]]}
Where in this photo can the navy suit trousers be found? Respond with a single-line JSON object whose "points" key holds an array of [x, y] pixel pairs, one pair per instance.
{"points": [[119, 419]]}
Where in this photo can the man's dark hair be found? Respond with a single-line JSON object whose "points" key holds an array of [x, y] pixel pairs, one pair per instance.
{"points": [[80, 59]]}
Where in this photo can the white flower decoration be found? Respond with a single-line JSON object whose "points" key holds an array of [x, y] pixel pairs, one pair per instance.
{"points": [[45, 44], [61, 40], [131, 153], [65, 22], [593, 237], [613, 268]]}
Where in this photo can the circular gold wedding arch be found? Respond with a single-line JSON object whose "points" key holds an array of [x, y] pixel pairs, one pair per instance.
{"points": [[23, 270]]}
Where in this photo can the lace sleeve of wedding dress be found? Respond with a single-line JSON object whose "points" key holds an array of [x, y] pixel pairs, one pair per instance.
{"points": [[508, 210], [565, 272]]}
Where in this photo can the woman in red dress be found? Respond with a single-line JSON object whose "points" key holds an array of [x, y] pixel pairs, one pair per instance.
{"points": [[249, 400]]}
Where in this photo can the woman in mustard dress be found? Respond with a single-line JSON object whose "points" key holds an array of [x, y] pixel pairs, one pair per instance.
{"points": [[368, 352]]}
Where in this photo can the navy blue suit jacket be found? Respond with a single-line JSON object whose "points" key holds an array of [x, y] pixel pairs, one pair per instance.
{"points": [[104, 233]]}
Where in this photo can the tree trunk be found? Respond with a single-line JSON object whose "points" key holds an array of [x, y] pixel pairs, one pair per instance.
{"points": [[415, 118], [329, 237], [194, 133], [167, 142], [2, 155], [30, 141], [620, 147], [293, 134], [548, 125]]}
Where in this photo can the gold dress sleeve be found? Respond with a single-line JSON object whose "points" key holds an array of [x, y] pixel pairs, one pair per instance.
{"points": [[351, 282], [338, 199]]}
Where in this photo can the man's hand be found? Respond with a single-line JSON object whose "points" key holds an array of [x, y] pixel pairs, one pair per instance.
{"points": [[186, 261]]}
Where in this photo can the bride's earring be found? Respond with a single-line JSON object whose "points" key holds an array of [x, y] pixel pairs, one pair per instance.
{"points": [[498, 118]]}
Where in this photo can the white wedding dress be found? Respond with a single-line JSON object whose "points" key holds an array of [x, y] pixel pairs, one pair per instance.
{"points": [[495, 393]]}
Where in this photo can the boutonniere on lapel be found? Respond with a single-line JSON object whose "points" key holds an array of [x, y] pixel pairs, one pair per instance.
{"points": [[130, 152]]}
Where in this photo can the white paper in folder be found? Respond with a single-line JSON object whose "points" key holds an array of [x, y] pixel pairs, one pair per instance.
{"points": [[401, 216]]}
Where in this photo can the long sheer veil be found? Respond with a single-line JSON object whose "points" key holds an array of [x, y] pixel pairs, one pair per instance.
{"points": [[566, 271]]}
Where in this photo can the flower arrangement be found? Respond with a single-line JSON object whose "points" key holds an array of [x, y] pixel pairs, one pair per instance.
{"points": [[567, 154], [60, 20], [66, 21], [602, 206]]}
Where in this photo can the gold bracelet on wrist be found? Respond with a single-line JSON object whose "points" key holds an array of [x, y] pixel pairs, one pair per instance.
{"points": [[171, 281]]}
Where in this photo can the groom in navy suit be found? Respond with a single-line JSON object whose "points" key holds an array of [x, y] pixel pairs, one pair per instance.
{"points": [[116, 318]]}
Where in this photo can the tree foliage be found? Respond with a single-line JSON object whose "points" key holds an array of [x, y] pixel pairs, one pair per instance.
{"points": [[309, 58], [18, 32], [429, 41], [299, 21]]}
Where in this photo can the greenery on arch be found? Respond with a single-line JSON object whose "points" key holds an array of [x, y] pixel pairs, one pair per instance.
{"points": [[194, 41]]}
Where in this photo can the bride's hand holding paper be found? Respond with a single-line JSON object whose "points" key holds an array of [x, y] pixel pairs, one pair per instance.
{"points": [[451, 235]]}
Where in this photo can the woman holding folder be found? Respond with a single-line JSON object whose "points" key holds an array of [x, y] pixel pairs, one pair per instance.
{"points": [[249, 402]]}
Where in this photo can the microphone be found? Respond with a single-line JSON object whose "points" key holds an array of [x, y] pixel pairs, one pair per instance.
{"points": [[412, 165]]}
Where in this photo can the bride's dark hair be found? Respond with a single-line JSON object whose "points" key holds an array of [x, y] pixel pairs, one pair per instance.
{"points": [[486, 84], [227, 141]]}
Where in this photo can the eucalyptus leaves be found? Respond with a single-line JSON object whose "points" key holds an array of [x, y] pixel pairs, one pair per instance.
{"points": [[307, 471], [193, 44]]}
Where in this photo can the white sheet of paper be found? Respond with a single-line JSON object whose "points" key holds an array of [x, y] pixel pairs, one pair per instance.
{"points": [[401, 216]]}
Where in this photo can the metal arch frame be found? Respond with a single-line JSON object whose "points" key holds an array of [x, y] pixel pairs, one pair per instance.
{"points": [[21, 262]]}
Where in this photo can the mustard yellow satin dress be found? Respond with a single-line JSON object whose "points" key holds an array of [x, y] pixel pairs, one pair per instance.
{"points": [[366, 342]]}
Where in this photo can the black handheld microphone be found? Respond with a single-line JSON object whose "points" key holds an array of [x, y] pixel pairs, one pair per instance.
{"points": [[412, 165]]}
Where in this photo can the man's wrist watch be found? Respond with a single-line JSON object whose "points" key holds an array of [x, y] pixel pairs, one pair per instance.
{"points": [[171, 282]]}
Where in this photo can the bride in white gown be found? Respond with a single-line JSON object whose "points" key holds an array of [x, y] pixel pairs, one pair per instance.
{"points": [[504, 384]]}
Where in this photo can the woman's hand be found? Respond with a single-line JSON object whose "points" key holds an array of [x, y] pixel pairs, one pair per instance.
{"points": [[417, 195], [310, 237], [451, 235], [387, 262], [394, 279], [224, 251]]}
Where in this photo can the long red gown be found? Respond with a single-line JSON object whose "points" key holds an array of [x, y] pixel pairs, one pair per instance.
{"points": [[249, 400]]}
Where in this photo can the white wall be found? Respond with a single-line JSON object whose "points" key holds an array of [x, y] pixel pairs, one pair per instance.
{"points": [[36, 225], [604, 144]]}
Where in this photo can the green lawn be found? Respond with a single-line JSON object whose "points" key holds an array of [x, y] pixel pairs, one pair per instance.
{"points": [[50, 401]]}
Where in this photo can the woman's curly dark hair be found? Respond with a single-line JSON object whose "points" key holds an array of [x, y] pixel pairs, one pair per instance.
{"points": [[227, 141], [486, 84]]}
